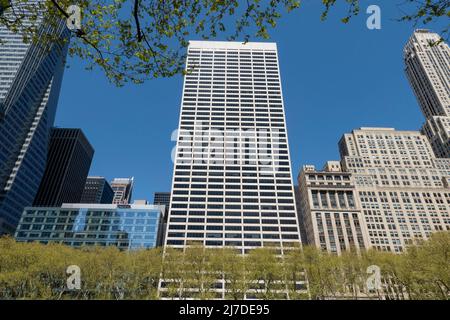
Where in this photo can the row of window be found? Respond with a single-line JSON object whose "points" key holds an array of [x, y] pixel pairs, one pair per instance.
{"points": [[251, 244], [242, 88], [89, 228], [231, 200], [233, 206], [123, 244], [219, 235], [194, 215], [91, 213], [232, 193], [333, 199], [89, 220], [287, 186]]}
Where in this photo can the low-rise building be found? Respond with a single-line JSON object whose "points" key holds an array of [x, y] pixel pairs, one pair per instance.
{"points": [[131, 226], [330, 210]]}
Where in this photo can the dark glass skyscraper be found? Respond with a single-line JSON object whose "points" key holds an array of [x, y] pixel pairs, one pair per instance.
{"points": [[97, 190], [30, 80], [69, 159], [162, 198]]}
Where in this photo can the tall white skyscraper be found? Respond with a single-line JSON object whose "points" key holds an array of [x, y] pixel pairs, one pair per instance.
{"points": [[30, 80], [232, 183], [428, 71]]}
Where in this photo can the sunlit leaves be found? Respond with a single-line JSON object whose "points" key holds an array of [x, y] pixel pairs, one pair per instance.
{"points": [[415, 11], [151, 44], [36, 271], [131, 47]]}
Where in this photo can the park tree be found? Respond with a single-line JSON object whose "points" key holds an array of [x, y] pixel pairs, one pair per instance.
{"points": [[295, 274], [265, 270], [201, 272], [424, 269], [323, 273], [102, 271], [16, 279], [137, 40], [232, 267], [146, 268], [353, 273], [173, 273], [436, 253], [38, 271]]}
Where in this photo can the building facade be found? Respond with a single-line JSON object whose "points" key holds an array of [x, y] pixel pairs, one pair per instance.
{"points": [[400, 191], [330, 210], [427, 61], [162, 198], [123, 190], [97, 190], [403, 192], [30, 80], [301, 222], [68, 163], [232, 183], [135, 226]]}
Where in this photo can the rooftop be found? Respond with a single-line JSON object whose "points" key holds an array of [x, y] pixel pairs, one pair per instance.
{"points": [[232, 45]]}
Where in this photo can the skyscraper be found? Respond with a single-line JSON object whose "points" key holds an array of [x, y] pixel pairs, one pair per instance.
{"points": [[428, 70], [31, 76], [232, 183], [123, 190], [97, 190], [162, 198], [69, 159]]}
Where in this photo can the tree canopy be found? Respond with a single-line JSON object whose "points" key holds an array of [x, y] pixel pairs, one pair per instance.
{"points": [[38, 271], [137, 40]]}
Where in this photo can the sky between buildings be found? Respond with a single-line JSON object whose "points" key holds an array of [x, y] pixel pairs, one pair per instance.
{"points": [[335, 78]]}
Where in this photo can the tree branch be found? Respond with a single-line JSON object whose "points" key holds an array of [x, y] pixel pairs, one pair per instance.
{"points": [[136, 19], [60, 9]]}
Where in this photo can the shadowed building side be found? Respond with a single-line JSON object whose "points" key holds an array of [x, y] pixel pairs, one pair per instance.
{"points": [[69, 160], [97, 190], [29, 90]]}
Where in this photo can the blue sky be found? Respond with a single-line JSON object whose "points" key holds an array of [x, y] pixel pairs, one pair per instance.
{"points": [[335, 78]]}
